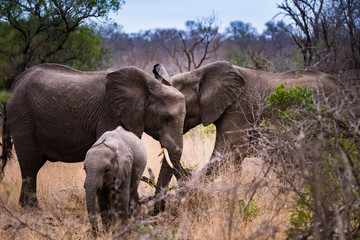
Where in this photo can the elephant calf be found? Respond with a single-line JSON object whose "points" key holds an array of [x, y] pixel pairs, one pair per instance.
{"points": [[113, 166]]}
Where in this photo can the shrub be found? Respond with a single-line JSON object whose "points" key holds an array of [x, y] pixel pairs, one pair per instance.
{"points": [[242, 210], [286, 101], [314, 147]]}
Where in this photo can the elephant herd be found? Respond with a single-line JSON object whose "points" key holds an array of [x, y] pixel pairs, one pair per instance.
{"points": [[57, 113]]}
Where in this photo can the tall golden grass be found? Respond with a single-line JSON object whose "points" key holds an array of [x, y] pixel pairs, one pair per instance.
{"points": [[244, 204]]}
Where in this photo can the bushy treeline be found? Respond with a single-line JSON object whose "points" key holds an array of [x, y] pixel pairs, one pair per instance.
{"points": [[319, 34], [201, 43]]}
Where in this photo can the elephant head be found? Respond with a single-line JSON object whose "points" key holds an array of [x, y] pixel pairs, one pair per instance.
{"points": [[208, 90], [157, 109]]}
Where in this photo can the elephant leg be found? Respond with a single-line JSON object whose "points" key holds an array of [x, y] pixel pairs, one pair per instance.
{"points": [[105, 209], [134, 200], [232, 141], [165, 175], [120, 206], [212, 168], [30, 161], [134, 195], [28, 188], [122, 201]]}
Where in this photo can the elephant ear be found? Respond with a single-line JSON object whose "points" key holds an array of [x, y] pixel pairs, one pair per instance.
{"points": [[127, 91], [125, 161], [161, 74], [220, 85], [122, 156], [100, 141]]}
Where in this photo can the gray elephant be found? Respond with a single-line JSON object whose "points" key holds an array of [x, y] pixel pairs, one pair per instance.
{"points": [[57, 113], [113, 166], [225, 95]]}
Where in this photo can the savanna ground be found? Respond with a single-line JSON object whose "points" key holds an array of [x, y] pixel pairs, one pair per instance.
{"points": [[240, 204]]}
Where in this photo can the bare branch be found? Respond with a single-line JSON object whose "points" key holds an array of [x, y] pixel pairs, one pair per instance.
{"points": [[13, 215]]}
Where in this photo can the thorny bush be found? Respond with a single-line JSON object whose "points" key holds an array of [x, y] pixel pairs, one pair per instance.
{"points": [[313, 144]]}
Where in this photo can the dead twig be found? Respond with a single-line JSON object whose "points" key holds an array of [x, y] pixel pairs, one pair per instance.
{"points": [[13, 215]]}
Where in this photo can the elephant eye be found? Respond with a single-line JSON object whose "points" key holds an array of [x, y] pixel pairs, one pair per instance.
{"points": [[107, 169], [167, 120]]}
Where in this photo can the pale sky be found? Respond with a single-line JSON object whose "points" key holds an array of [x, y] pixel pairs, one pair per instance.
{"points": [[137, 15]]}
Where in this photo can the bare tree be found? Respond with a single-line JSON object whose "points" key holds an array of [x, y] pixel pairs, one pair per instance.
{"points": [[351, 13], [200, 41], [327, 32], [168, 40], [307, 18], [251, 49]]}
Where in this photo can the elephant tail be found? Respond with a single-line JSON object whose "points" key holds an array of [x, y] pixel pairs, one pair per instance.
{"points": [[6, 144]]}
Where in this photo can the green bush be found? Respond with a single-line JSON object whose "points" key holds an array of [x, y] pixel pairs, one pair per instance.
{"points": [[301, 214], [243, 211], [286, 101]]}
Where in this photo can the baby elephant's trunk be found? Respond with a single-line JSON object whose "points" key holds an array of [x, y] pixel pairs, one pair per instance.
{"points": [[90, 204]]}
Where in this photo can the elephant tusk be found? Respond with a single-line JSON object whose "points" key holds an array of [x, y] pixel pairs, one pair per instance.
{"points": [[166, 154]]}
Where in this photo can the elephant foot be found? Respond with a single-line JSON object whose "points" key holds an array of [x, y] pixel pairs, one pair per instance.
{"points": [[106, 224], [144, 200], [95, 230], [160, 194], [29, 201], [159, 206], [33, 204]]}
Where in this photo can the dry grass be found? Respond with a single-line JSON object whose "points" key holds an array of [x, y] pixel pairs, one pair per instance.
{"points": [[234, 206]]}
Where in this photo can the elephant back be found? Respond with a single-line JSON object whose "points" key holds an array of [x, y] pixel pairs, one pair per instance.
{"points": [[267, 81], [53, 74], [54, 102]]}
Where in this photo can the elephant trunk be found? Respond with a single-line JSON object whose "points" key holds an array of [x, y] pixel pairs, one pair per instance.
{"points": [[174, 145], [178, 170], [91, 189], [90, 204], [166, 172]]}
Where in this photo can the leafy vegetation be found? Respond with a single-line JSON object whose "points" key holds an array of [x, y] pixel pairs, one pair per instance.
{"points": [[286, 101], [4, 96], [243, 211], [34, 32]]}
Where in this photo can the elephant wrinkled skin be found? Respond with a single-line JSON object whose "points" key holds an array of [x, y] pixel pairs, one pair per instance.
{"points": [[57, 113], [223, 94], [113, 166]]}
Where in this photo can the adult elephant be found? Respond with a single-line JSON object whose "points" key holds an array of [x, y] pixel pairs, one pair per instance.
{"points": [[226, 95], [57, 113]]}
